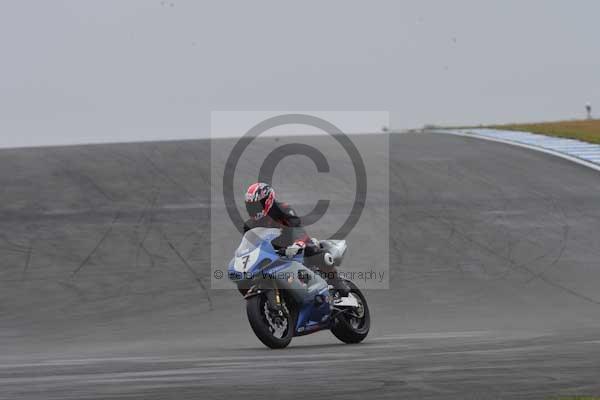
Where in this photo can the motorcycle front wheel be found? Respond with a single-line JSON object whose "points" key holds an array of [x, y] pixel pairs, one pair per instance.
{"points": [[274, 328]]}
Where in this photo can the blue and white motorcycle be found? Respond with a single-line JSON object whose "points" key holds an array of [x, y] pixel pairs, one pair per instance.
{"points": [[286, 299]]}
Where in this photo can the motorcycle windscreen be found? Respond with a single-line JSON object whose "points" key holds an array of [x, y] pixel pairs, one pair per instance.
{"points": [[254, 238]]}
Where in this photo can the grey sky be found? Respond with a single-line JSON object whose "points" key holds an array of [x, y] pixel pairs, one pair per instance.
{"points": [[88, 71]]}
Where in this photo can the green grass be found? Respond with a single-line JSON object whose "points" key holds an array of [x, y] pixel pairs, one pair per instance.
{"points": [[578, 398], [585, 130]]}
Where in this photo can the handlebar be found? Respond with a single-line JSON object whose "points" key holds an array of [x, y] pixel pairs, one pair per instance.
{"points": [[281, 251]]}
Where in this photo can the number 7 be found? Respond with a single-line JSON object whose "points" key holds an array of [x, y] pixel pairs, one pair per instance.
{"points": [[245, 261]]}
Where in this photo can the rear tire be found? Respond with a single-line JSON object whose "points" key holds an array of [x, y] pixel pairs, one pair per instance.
{"points": [[353, 327], [273, 331]]}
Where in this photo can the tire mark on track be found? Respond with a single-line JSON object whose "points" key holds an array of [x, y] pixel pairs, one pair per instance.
{"points": [[187, 266], [27, 259], [166, 175], [523, 267], [13, 246], [141, 246], [563, 245], [123, 289], [510, 261], [96, 247], [82, 179], [555, 206]]}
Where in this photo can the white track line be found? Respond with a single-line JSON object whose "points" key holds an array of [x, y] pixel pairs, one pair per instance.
{"points": [[589, 161]]}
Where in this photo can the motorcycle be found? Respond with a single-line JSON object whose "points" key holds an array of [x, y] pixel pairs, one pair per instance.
{"points": [[284, 298]]}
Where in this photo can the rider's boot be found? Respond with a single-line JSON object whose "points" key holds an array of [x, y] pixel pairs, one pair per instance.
{"points": [[324, 263], [339, 284]]}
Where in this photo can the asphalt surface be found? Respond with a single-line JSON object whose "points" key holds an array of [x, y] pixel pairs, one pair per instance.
{"points": [[105, 281]]}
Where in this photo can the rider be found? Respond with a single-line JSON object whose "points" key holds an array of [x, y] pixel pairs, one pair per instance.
{"points": [[265, 211]]}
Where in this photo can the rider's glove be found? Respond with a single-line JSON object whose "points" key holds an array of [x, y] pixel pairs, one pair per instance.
{"points": [[292, 250]]}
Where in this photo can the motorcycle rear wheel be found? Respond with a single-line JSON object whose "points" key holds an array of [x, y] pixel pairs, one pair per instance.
{"points": [[353, 327]]}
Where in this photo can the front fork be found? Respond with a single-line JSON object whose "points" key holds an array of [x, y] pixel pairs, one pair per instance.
{"points": [[275, 301], [273, 295]]}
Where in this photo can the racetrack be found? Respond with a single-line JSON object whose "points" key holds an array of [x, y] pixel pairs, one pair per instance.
{"points": [[494, 280]]}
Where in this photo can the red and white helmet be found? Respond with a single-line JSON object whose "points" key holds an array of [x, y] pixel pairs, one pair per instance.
{"points": [[259, 199]]}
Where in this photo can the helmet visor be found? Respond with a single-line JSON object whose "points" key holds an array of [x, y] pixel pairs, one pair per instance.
{"points": [[254, 208]]}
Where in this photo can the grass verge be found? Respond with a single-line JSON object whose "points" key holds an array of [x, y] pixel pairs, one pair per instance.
{"points": [[585, 130]]}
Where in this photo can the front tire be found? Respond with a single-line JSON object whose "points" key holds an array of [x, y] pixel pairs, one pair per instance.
{"points": [[274, 331], [353, 326]]}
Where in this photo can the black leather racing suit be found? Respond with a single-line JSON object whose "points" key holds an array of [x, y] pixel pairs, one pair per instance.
{"points": [[282, 216]]}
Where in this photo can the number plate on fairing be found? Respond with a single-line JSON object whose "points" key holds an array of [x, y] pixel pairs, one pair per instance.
{"points": [[245, 262]]}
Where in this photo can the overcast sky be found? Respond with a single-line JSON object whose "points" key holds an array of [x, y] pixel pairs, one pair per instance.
{"points": [[89, 71]]}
